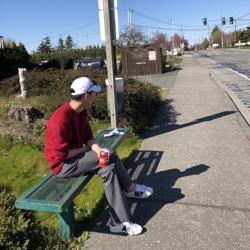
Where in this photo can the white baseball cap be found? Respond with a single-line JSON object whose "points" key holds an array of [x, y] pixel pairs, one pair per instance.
{"points": [[83, 85]]}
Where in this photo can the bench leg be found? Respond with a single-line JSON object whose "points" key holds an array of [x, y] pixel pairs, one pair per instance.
{"points": [[67, 223]]}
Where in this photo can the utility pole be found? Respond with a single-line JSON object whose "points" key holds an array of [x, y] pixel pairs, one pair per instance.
{"points": [[235, 33], [129, 24], [209, 37], [129, 21], [222, 40], [109, 39], [172, 35]]}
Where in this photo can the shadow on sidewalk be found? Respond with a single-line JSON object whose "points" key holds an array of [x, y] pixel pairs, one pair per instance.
{"points": [[166, 120], [144, 167]]}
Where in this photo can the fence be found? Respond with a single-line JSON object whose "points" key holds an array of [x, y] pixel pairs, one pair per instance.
{"points": [[141, 60]]}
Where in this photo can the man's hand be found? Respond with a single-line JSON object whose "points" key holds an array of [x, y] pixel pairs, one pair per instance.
{"points": [[96, 148]]}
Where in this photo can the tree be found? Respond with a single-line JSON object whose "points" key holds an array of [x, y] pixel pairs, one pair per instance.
{"points": [[177, 40], [205, 44], [216, 35], [160, 39], [134, 37], [229, 38], [69, 43], [60, 44], [9, 43], [45, 46], [11, 58], [24, 55], [244, 35]]}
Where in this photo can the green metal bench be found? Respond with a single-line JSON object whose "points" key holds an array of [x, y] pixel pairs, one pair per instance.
{"points": [[53, 194]]}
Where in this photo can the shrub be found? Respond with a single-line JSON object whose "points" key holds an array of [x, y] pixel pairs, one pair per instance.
{"points": [[21, 229], [66, 63], [51, 89], [141, 102]]}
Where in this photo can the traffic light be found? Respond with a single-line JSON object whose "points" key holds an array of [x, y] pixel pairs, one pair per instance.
{"points": [[204, 21], [223, 20], [231, 20]]}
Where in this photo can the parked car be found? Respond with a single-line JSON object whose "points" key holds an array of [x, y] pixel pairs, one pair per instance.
{"points": [[94, 63]]}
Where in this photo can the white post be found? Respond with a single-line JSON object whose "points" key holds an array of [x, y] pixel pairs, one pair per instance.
{"points": [[23, 82]]}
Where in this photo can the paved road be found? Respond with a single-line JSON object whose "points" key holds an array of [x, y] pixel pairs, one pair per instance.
{"points": [[227, 68], [197, 159], [236, 59]]}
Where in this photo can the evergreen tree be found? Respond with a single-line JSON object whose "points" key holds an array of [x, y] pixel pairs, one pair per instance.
{"points": [[69, 43], [60, 45], [45, 46]]}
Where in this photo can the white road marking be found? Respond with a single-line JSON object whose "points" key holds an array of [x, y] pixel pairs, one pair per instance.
{"points": [[210, 60], [238, 73]]}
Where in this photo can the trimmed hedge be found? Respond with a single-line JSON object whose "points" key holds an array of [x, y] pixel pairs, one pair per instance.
{"points": [[11, 59]]}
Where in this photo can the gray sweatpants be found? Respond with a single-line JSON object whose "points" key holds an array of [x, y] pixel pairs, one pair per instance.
{"points": [[114, 176]]}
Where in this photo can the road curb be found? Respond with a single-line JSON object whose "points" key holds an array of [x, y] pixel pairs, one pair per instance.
{"points": [[238, 104]]}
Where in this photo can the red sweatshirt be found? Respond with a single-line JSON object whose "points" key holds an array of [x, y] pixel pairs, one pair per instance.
{"points": [[66, 129]]}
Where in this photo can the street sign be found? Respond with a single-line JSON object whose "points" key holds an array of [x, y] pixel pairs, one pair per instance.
{"points": [[152, 55]]}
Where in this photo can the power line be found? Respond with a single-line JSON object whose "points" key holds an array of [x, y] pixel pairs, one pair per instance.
{"points": [[248, 23], [66, 32], [164, 28], [161, 21], [150, 18], [247, 14]]}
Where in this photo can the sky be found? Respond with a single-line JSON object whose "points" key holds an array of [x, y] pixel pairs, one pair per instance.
{"points": [[29, 21]]}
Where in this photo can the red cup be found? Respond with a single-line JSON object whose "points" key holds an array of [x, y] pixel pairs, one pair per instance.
{"points": [[104, 155]]}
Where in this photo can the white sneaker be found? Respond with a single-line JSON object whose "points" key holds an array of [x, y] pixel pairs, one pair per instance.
{"points": [[126, 227], [141, 191]]}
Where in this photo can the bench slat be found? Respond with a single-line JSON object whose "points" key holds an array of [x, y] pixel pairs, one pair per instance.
{"points": [[42, 203]]}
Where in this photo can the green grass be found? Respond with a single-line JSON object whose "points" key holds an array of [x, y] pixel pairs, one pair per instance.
{"points": [[178, 60], [174, 62], [22, 166]]}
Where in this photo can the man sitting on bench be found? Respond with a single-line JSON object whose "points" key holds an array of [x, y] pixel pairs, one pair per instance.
{"points": [[71, 151]]}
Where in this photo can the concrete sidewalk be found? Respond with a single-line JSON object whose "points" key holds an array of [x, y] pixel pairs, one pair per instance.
{"points": [[197, 158]]}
